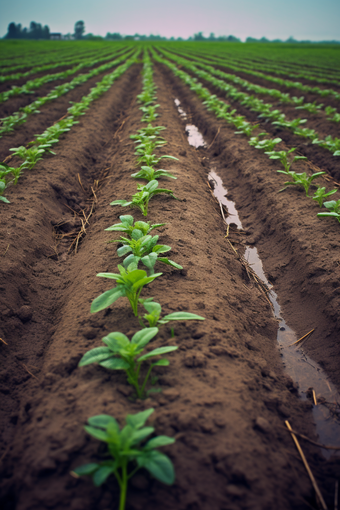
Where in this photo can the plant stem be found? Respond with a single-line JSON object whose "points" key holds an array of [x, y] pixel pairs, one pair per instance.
{"points": [[123, 487], [146, 380]]}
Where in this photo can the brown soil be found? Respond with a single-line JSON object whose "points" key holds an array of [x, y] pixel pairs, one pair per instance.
{"points": [[225, 395]]}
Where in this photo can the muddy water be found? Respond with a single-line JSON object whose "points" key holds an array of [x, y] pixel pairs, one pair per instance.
{"points": [[302, 369]]}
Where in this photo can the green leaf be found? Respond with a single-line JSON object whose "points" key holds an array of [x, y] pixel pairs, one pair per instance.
{"points": [[169, 262], [123, 203], [86, 469], [161, 363], [97, 433], [159, 465], [4, 199], [101, 475], [102, 421], [94, 356], [152, 307], [140, 434], [137, 420], [123, 250], [158, 441], [112, 276], [116, 341], [158, 352], [106, 299], [161, 248], [115, 364], [143, 337], [182, 316]]}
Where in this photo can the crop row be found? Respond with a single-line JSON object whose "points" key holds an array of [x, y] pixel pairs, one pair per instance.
{"points": [[35, 84], [277, 69], [128, 446], [284, 97], [8, 124], [279, 81], [44, 142], [52, 59], [276, 117], [220, 109]]}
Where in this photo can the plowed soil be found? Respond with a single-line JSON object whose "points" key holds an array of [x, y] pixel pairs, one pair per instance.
{"points": [[225, 394]]}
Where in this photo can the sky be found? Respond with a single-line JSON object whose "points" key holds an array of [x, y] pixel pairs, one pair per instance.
{"points": [[275, 19]]}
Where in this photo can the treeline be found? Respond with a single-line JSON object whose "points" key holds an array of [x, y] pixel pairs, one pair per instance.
{"points": [[196, 37], [35, 31]]}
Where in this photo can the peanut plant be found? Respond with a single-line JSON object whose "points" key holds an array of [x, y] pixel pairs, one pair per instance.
{"points": [[125, 448]]}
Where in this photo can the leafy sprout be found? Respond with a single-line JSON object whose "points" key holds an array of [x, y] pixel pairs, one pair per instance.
{"points": [[150, 174], [301, 179], [124, 446], [142, 197], [153, 317], [122, 354], [320, 194], [334, 208], [129, 284]]}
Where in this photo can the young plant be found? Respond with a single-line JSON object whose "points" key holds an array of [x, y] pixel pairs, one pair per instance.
{"points": [[124, 446], [142, 197], [320, 194], [266, 145], [152, 160], [150, 174], [153, 317], [301, 179], [129, 227], [283, 157], [121, 354], [129, 284], [334, 208], [31, 156], [144, 249]]}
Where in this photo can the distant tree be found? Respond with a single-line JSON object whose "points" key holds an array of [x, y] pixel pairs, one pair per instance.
{"points": [[36, 31], [114, 37], [199, 37], [79, 29], [211, 37], [12, 31]]}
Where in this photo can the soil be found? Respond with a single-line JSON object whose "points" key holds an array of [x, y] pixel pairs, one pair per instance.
{"points": [[225, 394]]}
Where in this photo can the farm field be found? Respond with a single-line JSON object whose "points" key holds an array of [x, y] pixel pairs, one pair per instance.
{"points": [[233, 123]]}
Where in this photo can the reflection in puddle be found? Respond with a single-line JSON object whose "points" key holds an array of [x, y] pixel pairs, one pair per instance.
{"points": [[195, 138], [220, 193], [306, 372]]}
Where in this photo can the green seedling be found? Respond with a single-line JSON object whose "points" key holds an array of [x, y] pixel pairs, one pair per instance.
{"points": [[144, 249], [149, 130], [124, 446], [320, 194], [142, 197], [150, 174], [149, 113], [2, 189], [127, 226], [153, 317], [283, 157], [301, 179], [121, 354], [129, 284], [152, 160], [31, 156], [310, 107], [266, 145], [334, 207]]}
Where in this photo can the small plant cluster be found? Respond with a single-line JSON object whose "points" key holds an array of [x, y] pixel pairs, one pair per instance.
{"points": [[133, 356], [8, 124], [220, 108], [44, 142]]}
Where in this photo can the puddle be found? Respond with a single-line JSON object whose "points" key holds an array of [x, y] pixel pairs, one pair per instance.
{"points": [[195, 138], [302, 369]]}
